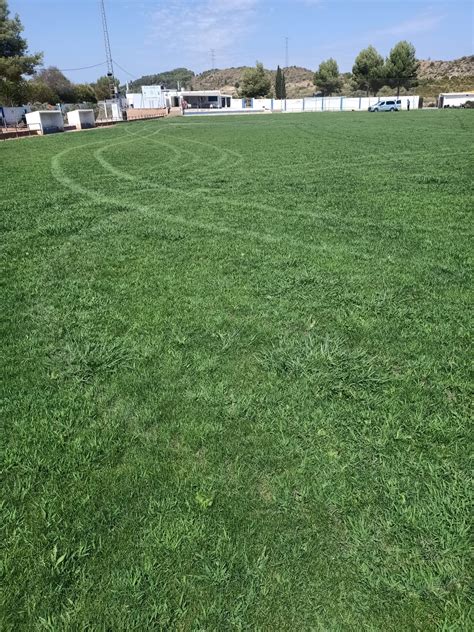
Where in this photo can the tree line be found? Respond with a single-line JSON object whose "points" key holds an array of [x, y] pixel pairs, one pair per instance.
{"points": [[371, 74]]}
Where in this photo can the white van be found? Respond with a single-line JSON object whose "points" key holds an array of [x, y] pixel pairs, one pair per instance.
{"points": [[386, 105]]}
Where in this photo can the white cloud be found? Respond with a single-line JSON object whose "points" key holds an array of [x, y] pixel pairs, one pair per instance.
{"points": [[197, 26], [418, 24]]}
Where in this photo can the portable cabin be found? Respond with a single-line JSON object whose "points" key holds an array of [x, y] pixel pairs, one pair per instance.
{"points": [[454, 99]]}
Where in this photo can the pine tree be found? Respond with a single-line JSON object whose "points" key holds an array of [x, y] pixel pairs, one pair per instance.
{"points": [[255, 82], [401, 67], [368, 70], [327, 77], [14, 59]]}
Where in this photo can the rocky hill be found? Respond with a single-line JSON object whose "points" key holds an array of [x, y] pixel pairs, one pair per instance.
{"points": [[462, 67], [444, 76], [299, 81]]}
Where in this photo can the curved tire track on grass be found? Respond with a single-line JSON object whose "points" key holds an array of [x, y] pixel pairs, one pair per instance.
{"points": [[131, 207], [265, 208], [220, 163], [208, 193]]}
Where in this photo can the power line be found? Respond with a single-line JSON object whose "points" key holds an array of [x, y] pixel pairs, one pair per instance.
{"points": [[102, 63], [123, 69]]}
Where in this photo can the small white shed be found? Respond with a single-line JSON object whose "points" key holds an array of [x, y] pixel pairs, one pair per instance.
{"points": [[81, 119], [454, 99], [45, 121]]}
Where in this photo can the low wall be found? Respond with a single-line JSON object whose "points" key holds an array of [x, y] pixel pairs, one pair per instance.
{"points": [[19, 133], [347, 104], [313, 104], [144, 113]]}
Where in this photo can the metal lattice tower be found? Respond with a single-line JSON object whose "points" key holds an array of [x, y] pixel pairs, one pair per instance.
{"points": [[108, 52], [213, 58], [286, 53]]}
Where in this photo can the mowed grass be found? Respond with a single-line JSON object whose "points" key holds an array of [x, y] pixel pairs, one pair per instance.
{"points": [[236, 374]]}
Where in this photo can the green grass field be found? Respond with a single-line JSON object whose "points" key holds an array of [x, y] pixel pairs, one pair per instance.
{"points": [[236, 374]]}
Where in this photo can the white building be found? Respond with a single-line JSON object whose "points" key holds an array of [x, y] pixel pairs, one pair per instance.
{"points": [[151, 97], [155, 97], [454, 99], [198, 99]]}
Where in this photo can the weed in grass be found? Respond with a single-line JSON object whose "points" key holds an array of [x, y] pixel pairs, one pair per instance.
{"points": [[83, 360]]}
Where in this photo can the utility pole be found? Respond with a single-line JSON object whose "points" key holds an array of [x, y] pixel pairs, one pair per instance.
{"points": [[108, 53], [213, 58], [286, 52]]}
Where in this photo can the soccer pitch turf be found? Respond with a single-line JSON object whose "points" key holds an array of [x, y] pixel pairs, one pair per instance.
{"points": [[236, 374]]}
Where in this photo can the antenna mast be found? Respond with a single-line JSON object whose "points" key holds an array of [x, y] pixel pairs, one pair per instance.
{"points": [[108, 52]]}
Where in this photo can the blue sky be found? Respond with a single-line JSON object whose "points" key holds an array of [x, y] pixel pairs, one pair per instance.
{"points": [[149, 36]]}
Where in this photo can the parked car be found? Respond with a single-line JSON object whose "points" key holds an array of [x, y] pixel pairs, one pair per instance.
{"points": [[390, 105]]}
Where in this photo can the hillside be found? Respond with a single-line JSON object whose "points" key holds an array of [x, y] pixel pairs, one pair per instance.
{"points": [[462, 67], [299, 81], [429, 89], [444, 76], [172, 79]]}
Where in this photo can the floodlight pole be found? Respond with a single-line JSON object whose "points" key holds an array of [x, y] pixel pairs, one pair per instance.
{"points": [[108, 52]]}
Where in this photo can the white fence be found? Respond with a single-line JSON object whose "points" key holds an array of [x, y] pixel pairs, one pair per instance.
{"points": [[308, 104], [326, 104]]}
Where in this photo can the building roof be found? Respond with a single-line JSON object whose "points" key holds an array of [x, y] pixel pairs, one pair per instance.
{"points": [[456, 94], [199, 93]]}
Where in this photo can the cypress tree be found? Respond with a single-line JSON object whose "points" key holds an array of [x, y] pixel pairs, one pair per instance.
{"points": [[279, 83], [283, 86]]}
